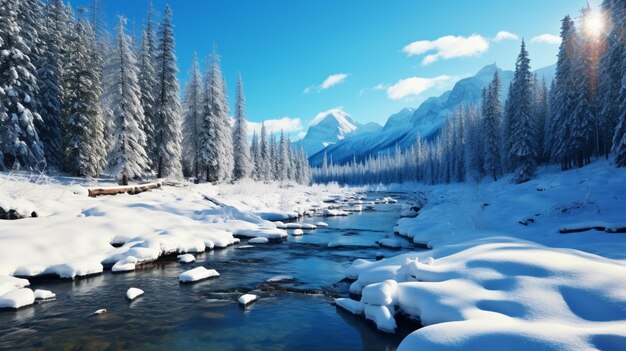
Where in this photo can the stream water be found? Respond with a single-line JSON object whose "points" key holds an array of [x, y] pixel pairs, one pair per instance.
{"points": [[289, 315]]}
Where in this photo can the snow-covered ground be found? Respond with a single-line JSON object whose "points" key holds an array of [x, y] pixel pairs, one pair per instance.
{"points": [[73, 234], [500, 274]]}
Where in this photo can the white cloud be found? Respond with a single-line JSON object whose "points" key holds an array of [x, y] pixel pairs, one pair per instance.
{"points": [[414, 86], [504, 35], [286, 124], [547, 39], [329, 82], [447, 47]]}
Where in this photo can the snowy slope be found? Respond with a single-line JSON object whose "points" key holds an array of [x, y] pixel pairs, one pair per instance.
{"points": [[403, 127], [501, 274], [331, 126]]}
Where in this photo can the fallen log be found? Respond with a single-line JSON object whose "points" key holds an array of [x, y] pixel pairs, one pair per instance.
{"points": [[128, 189]]}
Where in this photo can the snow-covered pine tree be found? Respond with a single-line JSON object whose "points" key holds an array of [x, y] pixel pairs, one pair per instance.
{"points": [[492, 116], [610, 85], [282, 153], [565, 96], [583, 133], [216, 137], [83, 125], [265, 168], [241, 150], [20, 146], [192, 120], [49, 73], [167, 106], [129, 159], [148, 90], [255, 154], [619, 136], [523, 137], [273, 159], [541, 117]]}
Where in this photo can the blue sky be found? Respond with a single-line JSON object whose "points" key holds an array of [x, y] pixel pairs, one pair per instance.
{"points": [[299, 58]]}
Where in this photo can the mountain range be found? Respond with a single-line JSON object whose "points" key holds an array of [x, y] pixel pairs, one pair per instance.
{"points": [[337, 135]]}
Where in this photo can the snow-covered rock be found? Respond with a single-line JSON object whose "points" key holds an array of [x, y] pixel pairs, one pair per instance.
{"points": [[44, 295], [328, 212], [258, 241], [382, 293], [381, 316], [100, 311], [355, 307], [321, 224], [125, 265], [197, 274], [17, 298], [390, 243], [133, 293], [280, 278], [186, 258], [247, 299], [297, 232]]}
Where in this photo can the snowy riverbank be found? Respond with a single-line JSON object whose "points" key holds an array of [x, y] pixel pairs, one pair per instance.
{"points": [[500, 271], [73, 234]]}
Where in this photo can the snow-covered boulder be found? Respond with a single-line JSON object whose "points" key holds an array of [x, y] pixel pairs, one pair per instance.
{"points": [[133, 293], [258, 241], [321, 224], [297, 232], [328, 212], [382, 293], [247, 299], [186, 258], [17, 298], [390, 243], [125, 265], [280, 278], [353, 306], [381, 315], [44, 295], [197, 274]]}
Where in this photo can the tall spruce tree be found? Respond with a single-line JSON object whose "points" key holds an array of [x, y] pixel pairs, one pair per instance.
{"points": [[523, 139], [20, 146], [192, 120], [168, 136], [83, 125], [129, 159], [241, 150], [492, 110]]}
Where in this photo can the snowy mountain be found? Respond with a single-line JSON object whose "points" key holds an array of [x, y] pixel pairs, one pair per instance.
{"points": [[330, 127], [403, 127]]}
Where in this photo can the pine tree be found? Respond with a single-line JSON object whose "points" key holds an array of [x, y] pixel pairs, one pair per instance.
{"points": [[523, 137], [19, 142], [83, 126], [565, 96], [241, 150], [167, 106], [49, 80], [265, 162], [256, 157], [129, 159], [216, 135], [148, 89], [192, 119], [492, 117]]}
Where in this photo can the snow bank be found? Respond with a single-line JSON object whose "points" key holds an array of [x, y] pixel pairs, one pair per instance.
{"points": [[390, 243], [247, 299], [197, 274], [490, 282], [74, 233], [133, 293]]}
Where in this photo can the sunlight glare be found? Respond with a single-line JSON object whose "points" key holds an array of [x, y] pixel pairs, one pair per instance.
{"points": [[593, 24]]}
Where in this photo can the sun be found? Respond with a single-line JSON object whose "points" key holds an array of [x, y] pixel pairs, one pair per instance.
{"points": [[593, 24]]}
